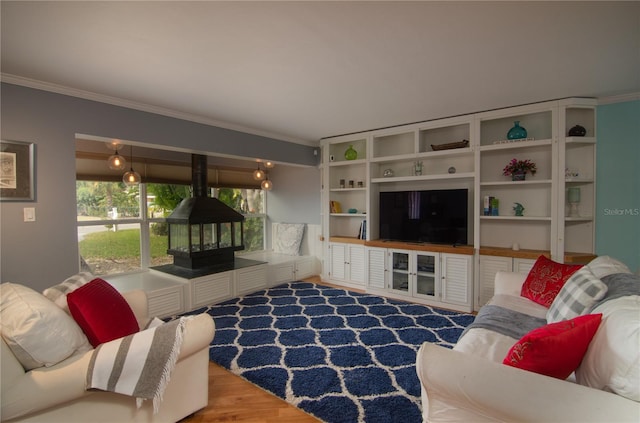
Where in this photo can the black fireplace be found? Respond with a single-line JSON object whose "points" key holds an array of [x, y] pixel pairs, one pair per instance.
{"points": [[203, 231]]}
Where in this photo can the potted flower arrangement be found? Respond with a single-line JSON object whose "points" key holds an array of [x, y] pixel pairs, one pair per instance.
{"points": [[517, 169]]}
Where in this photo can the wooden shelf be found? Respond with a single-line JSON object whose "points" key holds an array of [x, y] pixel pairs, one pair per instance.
{"points": [[347, 240], [569, 257], [421, 246]]}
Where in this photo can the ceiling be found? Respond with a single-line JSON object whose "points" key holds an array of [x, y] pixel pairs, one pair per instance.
{"points": [[301, 71]]}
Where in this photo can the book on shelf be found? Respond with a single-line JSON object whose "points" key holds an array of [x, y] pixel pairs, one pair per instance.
{"points": [[335, 207], [362, 232], [491, 206]]}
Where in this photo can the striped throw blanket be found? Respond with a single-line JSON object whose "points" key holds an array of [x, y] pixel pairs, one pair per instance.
{"points": [[138, 365]]}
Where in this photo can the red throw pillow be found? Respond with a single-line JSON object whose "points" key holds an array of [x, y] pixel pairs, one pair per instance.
{"points": [[545, 279], [555, 349], [101, 312]]}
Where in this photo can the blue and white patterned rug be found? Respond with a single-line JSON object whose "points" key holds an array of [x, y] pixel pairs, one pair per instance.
{"points": [[338, 355]]}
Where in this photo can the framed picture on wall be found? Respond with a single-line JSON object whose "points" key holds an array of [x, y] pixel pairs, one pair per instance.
{"points": [[17, 177]]}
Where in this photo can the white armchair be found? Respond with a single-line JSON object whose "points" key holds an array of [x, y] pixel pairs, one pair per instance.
{"points": [[57, 393]]}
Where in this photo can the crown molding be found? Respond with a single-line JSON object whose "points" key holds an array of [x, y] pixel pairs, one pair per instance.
{"points": [[115, 101], [622, 98]]}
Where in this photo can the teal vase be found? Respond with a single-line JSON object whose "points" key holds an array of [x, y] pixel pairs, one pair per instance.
{"points": [[350, 154], [517, 131]]}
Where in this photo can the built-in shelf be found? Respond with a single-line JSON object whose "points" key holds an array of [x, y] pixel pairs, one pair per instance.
{"points": [[513, 183], [349, 214], [580, 140], [578, 180], [347, 162], [569, 257], [578, 219], [521, 218], [516, 145], [422, 178], [347, 189], [346, 240]]}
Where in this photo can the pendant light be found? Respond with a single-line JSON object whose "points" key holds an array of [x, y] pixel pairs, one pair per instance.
{"points": [[258, 174], [131, 178], [269, 164], [266, 184], [115, 161]]}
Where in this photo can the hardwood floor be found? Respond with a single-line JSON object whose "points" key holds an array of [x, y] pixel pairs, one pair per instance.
{"points": [[233, 399]]}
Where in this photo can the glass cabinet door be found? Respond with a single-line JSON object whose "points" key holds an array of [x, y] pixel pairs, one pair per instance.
{"points": [[426, 275], [400, 272]]}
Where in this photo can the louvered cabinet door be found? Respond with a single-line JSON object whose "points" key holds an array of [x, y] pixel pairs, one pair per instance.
{"points": [[456, 278], [376, 267]]}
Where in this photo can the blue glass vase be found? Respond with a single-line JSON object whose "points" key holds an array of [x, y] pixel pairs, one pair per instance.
{"points": [[517, 131]]}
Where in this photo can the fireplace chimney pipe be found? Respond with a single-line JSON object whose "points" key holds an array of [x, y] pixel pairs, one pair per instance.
{"points": [[199, 175]]}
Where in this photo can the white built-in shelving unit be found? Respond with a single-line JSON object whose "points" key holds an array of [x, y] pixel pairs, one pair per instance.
{"points": [[562, 161]]}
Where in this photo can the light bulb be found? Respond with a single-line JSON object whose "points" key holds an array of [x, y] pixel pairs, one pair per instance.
{"points": [[116, 162], [266, 185], [268, 164], [258, 174], [131, 178]]}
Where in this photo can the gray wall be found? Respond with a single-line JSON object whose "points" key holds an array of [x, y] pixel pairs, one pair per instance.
{"points": [[42, 253], [295, 197]]}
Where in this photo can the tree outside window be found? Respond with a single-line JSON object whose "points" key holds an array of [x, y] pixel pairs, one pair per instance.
{"points": [[115, 226]]}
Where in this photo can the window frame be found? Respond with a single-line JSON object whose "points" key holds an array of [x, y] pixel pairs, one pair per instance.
{"points": [[145, 226]]}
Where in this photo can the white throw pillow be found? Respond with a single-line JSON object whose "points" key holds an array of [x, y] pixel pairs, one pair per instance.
{"points": [[577, 296], [604, 266], [612, 362], [38, 332], [287, 238], [58, 293]]}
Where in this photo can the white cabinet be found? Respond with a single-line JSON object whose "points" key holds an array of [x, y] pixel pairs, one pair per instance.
{"points": [[347, 263], [457, 275], [251, 279], [210, 289], [414, 273], [376, 261], [439, 279], [489, 266]]}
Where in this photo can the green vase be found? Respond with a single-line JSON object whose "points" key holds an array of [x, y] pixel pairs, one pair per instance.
{"points": [[350, 154], [517, 132]]}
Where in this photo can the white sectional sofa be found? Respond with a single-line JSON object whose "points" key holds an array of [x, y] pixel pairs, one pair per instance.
{"points": [[470, 383]]}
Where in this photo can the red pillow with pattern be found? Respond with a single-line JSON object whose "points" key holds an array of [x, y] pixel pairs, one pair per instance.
{"points": [[102, 312], [555, 349], [545, 280]]}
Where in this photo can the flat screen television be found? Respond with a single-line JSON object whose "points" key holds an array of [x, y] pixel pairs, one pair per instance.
{"points": [[430, 216]]}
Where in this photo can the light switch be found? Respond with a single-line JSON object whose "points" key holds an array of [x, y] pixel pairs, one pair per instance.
{"points": [[29, 214]]}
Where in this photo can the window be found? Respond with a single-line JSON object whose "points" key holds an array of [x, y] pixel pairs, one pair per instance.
{"points": [[117, 232]]}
